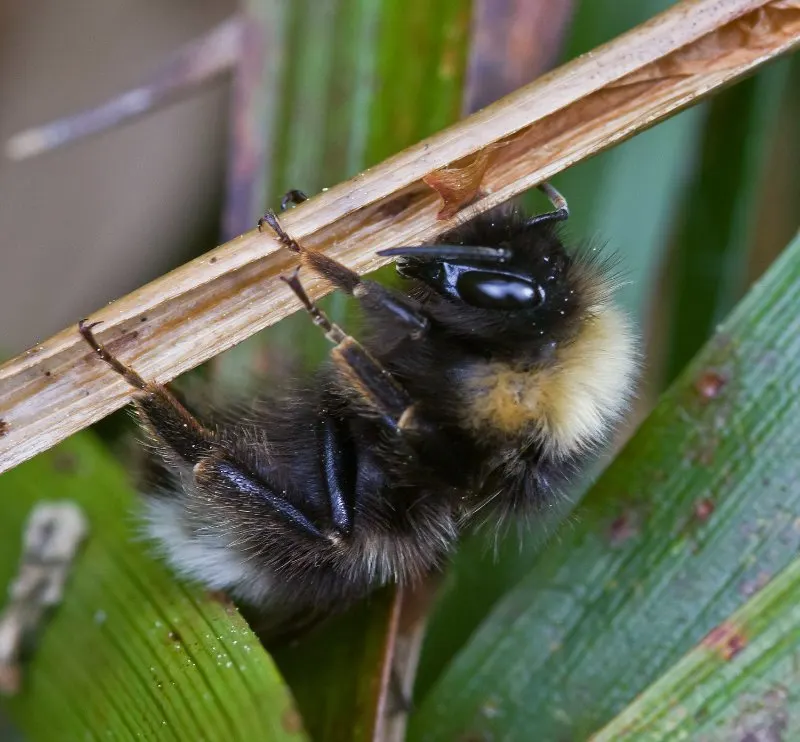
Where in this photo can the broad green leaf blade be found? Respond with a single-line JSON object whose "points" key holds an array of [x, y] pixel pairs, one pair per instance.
{"points": [[697, 512], [741, 682], [615, 199], [131, 654]]}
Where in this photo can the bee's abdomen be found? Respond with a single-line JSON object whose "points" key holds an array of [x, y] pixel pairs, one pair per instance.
{"points": [[301, 509]]}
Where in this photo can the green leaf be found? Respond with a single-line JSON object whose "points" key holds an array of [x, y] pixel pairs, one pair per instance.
{"points": [[697, 512], [131, 653], [741, 682]]}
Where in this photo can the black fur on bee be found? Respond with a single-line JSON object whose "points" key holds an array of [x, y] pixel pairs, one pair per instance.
{"points": [[476, 393]]}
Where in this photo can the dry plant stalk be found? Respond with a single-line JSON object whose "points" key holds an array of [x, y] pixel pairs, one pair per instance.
{"points": [[53, 534], [192, 65], [210, 304]]}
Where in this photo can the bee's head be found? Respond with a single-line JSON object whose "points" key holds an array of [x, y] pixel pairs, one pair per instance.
{"points": [[500, 273], [492, 280]]}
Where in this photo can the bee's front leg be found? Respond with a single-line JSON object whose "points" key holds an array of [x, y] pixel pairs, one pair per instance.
{"points": [[373, 296]]}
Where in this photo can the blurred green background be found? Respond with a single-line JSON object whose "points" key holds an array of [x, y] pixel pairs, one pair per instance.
{"points": [[697, 208]]}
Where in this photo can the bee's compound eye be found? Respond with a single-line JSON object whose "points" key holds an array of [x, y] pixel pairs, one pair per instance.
{"points": [[490, 290]]}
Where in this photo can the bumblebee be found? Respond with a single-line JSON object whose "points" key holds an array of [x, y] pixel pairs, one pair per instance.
{"points": [[477, 393]]}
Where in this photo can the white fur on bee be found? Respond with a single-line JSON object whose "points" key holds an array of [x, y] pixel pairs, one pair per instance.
{"points": [[203, 556], [206, 554]]}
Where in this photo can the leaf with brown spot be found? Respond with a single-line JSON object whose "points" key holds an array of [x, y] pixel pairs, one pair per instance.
{"points": [[623, 528], [726, 639], [703, 509], [710, 384], [707, 695]]}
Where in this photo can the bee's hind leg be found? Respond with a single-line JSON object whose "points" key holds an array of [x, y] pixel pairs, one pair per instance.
{"points": [[373, 296], [160, 411], [184, 441]]}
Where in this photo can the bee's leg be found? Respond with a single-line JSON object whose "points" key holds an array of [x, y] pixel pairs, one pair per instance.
{"points": [[373, 296], [363, 372], [560, 211], [293, 197], [161, 413], [185, 441]]}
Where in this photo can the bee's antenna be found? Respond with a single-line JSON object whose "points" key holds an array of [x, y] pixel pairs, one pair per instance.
{"points": [[560, 213], [449, 252]]}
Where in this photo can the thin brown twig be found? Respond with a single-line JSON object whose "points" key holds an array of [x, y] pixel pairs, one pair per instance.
{"points": [[214, 302], [253, 113], [192, 65]]}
